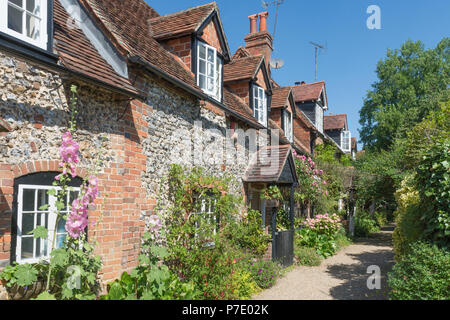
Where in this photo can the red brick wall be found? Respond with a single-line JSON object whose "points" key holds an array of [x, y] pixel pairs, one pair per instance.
{"points": [[211, 36], [241, 90], [181, 47], [302, 133]]}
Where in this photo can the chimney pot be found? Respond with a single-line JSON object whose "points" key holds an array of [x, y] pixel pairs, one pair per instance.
{"points": [[253, 23], [263, 21]]}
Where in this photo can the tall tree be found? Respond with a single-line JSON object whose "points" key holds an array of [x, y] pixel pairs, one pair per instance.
{"points": [[412, 82]]}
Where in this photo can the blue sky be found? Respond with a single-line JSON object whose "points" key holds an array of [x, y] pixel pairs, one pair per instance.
{"points": [[348, 65]]}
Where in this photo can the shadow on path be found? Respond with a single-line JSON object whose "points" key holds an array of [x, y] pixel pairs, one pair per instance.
{"points": [[355, 275]]}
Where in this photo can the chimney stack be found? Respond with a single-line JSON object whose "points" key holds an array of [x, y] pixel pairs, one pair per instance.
{"points": [[302, 83], [261, 42], [253, 23], [263, 22]]}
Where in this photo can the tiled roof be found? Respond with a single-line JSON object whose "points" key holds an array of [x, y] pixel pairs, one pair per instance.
{"points": [[241, 52], [77, 53], [182, 22], [268, 164], [243, 68], [334, 122], [308, 92], [280, 97], [128, 22], [237, 105]]}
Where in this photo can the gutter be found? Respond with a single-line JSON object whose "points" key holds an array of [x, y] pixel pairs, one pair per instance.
{"points": [[197, 93]]}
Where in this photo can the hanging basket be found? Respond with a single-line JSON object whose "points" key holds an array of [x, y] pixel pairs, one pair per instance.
{"points": [[17, 292]]}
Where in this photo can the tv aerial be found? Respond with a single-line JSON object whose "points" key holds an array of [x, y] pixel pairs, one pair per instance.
{"points": [[317, 50], [267, 4], [275, 63]]}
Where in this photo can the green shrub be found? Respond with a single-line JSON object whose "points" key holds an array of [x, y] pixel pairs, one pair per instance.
{"points": [[432, 181], [381, 218], [342, 240], [151, 280], [365, 225], [244, 285], [248, 234], [265, 273], [409, 225], [422, 274], [323, 244], [307, 256]]}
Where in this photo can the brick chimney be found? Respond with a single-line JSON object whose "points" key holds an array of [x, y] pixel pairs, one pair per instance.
{"points": [[261, 42]]}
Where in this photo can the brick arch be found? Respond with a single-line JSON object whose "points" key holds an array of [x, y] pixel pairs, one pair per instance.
{"points": [[30, 167]]}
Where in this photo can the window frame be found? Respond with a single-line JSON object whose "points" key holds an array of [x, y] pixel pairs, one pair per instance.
{"points": [[264, 101], [288, 127], [217, 68], [346, 136], [51, 221], [44, 25]]}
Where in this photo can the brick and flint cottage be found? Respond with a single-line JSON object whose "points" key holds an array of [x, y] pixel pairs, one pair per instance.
{"points": [[152, 90]]}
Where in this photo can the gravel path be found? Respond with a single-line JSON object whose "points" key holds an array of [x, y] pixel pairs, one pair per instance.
{"points": [[341, 277]]}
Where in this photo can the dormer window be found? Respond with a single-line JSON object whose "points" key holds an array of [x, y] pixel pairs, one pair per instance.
{"points": [[260, 105], [346, 143], [209, 71], [287, 127], [25, 20]]}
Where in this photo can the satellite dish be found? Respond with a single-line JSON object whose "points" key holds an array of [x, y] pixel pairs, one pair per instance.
{"points": [[264, 4], [276, 63]]}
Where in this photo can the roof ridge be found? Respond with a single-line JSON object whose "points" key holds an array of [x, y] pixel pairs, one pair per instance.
{"points": [[174, 14]]}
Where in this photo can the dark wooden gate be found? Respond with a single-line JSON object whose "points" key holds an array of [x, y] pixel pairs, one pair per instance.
{"points": [[283, 247]]}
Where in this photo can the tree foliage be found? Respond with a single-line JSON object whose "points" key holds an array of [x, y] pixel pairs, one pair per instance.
{"points": [[412, 82]]}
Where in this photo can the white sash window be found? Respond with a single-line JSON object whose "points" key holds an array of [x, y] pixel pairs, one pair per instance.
{"points": [[209, 71], [288, 126], [25, 20], [31, 213], [346, 143], [260, 105]]}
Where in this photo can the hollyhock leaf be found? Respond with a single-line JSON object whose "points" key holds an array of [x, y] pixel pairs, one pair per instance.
{"points": [[60, 257], [40, 232], [45, 296], [26, 275]]}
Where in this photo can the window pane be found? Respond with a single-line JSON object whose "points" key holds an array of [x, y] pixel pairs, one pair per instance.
{"points": [[37, 251], [33, 7], [210, 84], [202, 52], [42, 220], [202, 81], [60, 240], [210, 70], [15, 17], [17, 2], [28, 200], [42, 199], [27, 248], [61, 226], [32, 27], [202, 67], [27, 223], [255, 92], [211, 55]]}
